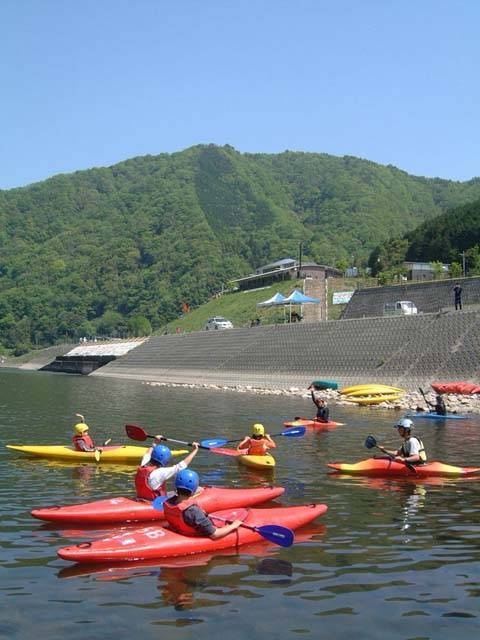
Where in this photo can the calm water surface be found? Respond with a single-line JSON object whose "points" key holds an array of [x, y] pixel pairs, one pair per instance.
{"points": [[391, 559]]}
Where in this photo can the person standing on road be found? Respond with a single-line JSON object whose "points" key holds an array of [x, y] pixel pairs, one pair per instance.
{"points": [[457, 296]]}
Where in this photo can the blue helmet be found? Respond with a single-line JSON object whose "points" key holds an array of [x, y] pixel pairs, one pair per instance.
{"points": [[160, 454], [187, 480]]}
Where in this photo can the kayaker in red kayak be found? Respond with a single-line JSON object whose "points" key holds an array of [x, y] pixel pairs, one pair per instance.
{"points": [[186, 517], [412, 449], [152, 474], [82, 440], [258, 443], [323, 412]]}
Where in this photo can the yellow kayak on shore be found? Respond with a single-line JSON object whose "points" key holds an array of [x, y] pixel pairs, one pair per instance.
{"points": [[374, 398], [369, 389], [120, 453], [257, 462]]}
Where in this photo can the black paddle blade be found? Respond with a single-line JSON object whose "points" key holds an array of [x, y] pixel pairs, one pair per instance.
{"points": [[370, 442]]}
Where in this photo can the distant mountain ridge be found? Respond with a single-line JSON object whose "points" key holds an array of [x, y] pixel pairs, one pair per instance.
{"points": [[119, 249]]}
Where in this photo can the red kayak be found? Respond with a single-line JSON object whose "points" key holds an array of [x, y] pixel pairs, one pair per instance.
{"points": [[313, 423], [115, 510], [161, 542], [387, 467], [465, 388]]}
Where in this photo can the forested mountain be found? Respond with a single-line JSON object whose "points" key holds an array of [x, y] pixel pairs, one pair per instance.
{"points": [[121, 248], [452, 237]]}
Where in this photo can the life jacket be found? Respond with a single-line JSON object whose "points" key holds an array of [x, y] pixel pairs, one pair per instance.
{"points": [[173, 514], [143, 489], [405, 450], [258, 447], [87, 441]]}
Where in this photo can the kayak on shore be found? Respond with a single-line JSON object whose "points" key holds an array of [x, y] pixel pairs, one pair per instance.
{"points": [[389, 467], [121, 509], [162, 542], [120, 453]]}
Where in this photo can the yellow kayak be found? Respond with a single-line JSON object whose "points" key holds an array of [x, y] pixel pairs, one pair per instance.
{"points": [[368, 389], [258, 462], [123, 454], [374, 398]]}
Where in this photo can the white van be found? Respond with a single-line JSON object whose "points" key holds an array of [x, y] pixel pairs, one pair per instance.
{"points": [[400, 308]]}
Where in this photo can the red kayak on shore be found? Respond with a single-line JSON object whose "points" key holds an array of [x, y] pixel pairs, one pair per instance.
{"points": [[161, 542], [388, 467], [118, 510], [460, 387], [313, 424]]}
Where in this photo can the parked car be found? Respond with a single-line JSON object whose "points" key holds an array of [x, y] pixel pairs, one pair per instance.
{"points": [[218, 323], [400, 308]]}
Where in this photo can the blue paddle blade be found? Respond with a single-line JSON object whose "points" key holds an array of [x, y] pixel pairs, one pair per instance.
{"points": [[277, 534], [293, 432], [211, 443], [370, 442], [158, 502]]}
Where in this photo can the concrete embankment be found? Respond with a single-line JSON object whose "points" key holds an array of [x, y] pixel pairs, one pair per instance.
{"points": [[407, 352]]}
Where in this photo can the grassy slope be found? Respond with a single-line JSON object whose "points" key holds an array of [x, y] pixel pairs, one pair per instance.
{"points": [[240, 307]]}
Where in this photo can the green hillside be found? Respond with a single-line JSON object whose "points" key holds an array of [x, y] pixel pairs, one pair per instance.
{"points": [[452, 237], [118, 250]]}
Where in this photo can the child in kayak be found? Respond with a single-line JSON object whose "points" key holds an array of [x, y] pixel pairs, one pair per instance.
{"points": [[152, 474], [323, 412], [186, 517], [258, 443], [412, 449], [82, 441]]}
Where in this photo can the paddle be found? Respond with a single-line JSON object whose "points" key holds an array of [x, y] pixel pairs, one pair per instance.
{"points": [[424, 397], [371, 442], [275, 533], [158, 502], [98, 452], [137, 433], [292, 432]]}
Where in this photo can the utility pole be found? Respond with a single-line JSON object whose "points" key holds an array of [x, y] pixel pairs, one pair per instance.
{"points": [[300, 249], [463, 264]]}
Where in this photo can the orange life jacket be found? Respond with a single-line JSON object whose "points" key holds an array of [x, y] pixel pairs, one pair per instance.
{"points": [[258, 447], [143, 489], [173, 513], [87, 441]]}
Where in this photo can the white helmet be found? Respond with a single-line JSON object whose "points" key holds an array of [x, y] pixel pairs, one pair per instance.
{"points": [[405, 423]]}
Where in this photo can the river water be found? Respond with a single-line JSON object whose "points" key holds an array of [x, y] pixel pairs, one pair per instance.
{"points": [[391, 559]]}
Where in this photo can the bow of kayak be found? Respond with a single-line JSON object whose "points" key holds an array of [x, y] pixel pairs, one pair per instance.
{"points": [[123, 510], [161, 542], [387, 467], [313, 424], [257, 462]]}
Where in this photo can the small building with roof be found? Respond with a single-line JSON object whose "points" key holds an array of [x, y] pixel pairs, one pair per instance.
{"points": [[285, 269]]}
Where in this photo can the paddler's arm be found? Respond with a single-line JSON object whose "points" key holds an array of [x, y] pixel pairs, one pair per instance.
{"points": [[244, 443], [221, 532]]}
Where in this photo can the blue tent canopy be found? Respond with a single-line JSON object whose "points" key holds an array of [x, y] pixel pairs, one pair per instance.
{"points": [[297, 297]]}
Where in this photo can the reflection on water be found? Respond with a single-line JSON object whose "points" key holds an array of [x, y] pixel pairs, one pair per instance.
{"points": [[395, 558]]}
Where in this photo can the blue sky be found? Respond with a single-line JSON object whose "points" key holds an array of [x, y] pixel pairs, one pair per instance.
{"points": [[94, 82]]}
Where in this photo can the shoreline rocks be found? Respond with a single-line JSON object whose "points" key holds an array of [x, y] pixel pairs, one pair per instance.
{"points": [[411, 401]]}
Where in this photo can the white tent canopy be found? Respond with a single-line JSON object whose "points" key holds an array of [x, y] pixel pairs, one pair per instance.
{"points": [[277, 299]]}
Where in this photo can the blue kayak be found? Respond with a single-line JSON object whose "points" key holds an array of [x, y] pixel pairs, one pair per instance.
{"points": [[436, 416]]}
